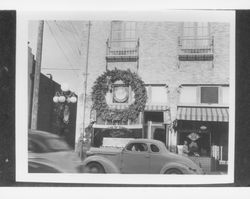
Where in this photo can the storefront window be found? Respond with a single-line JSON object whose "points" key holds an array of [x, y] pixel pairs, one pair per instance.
{"points": [[196, 94], [101, 133], [188, 95], [190, 132], [157, 94]]}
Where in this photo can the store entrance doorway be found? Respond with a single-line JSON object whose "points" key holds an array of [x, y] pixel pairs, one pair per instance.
{"points": [[153, 126]]}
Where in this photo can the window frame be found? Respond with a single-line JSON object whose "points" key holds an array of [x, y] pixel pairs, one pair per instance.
{"points": [[198, 95], [218, 94], [195, 37], [159, 150], [123, 41], [195, 27], [150, 91]]}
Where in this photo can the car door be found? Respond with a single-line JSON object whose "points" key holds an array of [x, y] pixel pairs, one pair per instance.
{"points": [[135, 158], [157, 159]]}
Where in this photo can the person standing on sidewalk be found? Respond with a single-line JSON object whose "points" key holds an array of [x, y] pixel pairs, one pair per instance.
{"points": [[84, 142]]}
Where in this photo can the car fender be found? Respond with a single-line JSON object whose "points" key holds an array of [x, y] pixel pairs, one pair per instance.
{"points": [[108, 165], [183, 168], [35, 167]]}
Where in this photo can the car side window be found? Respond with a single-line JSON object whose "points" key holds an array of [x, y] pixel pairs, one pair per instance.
{"points": [[154, 148], [137, 147]]}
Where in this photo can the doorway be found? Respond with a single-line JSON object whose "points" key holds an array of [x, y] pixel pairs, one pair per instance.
{"points": [[153, 126]]}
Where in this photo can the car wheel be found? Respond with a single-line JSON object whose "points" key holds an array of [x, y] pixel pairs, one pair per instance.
{"points": [[173, 171], [95, 167]]}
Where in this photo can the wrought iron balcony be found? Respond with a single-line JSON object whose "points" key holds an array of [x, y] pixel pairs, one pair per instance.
{"points": [[196, 49], [122, 51]]}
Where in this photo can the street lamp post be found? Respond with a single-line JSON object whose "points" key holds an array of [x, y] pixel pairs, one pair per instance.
{"points": [[63, 98]]}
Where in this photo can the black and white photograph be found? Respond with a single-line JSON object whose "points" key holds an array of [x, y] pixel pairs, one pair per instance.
{"points": [[114, 95], [148, 102]]}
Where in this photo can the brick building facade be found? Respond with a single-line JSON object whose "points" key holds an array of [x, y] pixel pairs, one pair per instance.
{"points": [[185, 68]]}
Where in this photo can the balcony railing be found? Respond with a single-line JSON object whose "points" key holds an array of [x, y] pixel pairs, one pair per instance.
{"points": [[122, 51], [196, 49]]}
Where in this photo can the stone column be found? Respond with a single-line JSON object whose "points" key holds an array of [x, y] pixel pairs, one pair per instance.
{"points": [[173, 97]]}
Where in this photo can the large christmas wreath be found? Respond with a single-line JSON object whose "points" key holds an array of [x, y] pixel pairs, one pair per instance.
{"points": [[102, 86]]}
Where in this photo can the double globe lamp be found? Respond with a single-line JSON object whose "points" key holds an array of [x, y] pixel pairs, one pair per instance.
{"points": [[65, 95]]}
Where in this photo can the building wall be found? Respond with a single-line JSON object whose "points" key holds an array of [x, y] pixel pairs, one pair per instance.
{"points": [[47, 117], [45, 103], [158, 60]]}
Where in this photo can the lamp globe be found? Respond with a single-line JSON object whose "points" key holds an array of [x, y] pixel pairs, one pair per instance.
{"points": [[55, 99], [73, 99], [62, 99]]}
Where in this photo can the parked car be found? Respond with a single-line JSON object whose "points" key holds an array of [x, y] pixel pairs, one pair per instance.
{"points": [[144, 156], [49, 153]]}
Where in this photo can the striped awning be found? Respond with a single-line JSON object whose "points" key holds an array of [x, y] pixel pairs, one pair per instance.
{"points": [[156, 107], [147, 107], [214, 114]]}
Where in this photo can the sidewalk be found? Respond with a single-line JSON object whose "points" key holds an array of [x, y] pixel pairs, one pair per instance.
{"points": [[216, 173]]}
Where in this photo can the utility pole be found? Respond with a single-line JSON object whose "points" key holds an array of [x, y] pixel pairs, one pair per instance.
{"points": [[81, 118], [36, 81], [86, 78]]}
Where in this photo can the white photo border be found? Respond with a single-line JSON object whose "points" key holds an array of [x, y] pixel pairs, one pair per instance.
{"points": [[22, 174]]}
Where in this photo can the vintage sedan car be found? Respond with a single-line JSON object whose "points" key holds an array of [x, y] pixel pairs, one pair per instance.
{"points": [[139, 156], [49, 153]]}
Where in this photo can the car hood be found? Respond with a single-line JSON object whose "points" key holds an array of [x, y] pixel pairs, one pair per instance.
{"points": [[63, 161]]}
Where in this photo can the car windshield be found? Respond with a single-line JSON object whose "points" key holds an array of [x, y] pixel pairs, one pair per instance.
{"points": [[57, 144]]}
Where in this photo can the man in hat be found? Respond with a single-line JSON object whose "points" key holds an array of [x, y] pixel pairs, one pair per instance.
{"points": [[193, 148]]}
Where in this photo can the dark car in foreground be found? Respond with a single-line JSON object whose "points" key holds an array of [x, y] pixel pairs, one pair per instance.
{"points": [[139, 156], [49, 153]]}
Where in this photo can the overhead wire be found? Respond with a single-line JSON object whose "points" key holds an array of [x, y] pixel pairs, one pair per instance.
{"points": [[74, 29], [76, 35], [61, 48], [75, 51], [70, 29]]}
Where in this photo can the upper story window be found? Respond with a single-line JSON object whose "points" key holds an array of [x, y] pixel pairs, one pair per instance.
{"points": [[195, 35], [123, 44], [195, 42], [123, 34], [204, 95]]}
